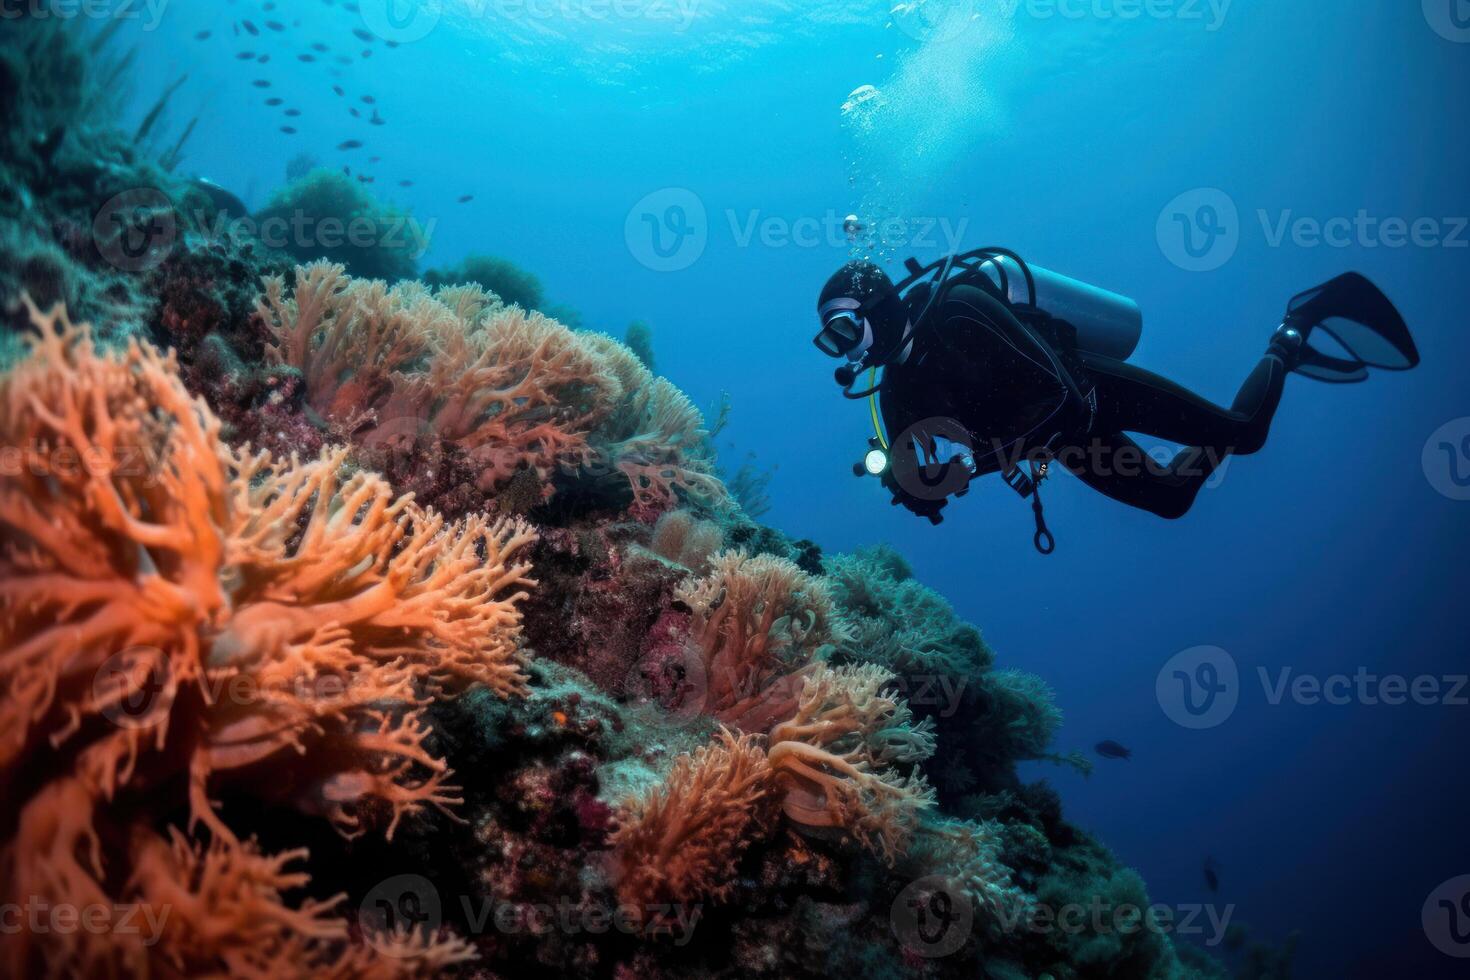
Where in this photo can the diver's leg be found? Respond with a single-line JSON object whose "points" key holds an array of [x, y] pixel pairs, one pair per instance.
{"points": [[1118, 467], [1130, 399]]}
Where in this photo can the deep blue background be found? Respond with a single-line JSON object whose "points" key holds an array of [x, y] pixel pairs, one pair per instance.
{"points": [[1064, 138]]}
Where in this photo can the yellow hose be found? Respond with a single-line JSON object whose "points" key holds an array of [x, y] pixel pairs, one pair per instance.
{"points": [[873, 408]]}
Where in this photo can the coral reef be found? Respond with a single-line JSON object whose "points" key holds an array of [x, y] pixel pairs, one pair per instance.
{"points": [[838, 757], [497, 390], [755, 622], [173, 611], [682, 841], [474, 665], [84, 210], [683, 539]]}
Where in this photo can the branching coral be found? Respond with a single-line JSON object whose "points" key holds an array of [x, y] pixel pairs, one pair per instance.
{"points": [[513, 391], [756, 622], [839, 758], [519, 392], [657, 438], [174, 612], [681, 842], [349, 339]]}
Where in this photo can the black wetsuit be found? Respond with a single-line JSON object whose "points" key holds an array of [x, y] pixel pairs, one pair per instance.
{"points": [[1016, 383]]}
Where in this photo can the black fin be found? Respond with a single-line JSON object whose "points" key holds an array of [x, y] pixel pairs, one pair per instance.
{"points": [[1362, 320]]}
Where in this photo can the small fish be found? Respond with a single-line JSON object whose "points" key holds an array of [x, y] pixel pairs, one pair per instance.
{"points": [[375, 159], [405, 183], [350, 145], [261, 83], [251, 28], [263, 59], [1212, 874], [245, 56], [275, 101], [355, 113], [368, 100], [288, 130], [293, 113], [308, 58], [466, 199], [204, 35], [1109, 749], [338, 90], [362, 35], [378, 120]]}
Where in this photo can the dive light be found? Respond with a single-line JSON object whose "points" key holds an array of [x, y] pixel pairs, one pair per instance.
{"points": [[875, 460]]}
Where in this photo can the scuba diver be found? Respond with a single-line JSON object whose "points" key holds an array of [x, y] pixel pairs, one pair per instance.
{"points": [[992, 365]]}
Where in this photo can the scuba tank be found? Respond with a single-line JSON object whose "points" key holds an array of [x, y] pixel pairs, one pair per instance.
{"points": [[1106, 323], [1102, 322]]}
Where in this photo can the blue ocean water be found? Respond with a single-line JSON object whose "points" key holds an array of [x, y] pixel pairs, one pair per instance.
{"points": [[689, 163]]}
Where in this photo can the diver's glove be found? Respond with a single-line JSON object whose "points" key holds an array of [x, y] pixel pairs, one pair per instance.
{"points": [[918, 506], [938, 462]]}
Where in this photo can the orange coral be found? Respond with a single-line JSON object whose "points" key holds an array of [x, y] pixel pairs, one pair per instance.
{"points": [[681, 842], [172, 611], [837, 758], [348, 339], [519, 392], [514, 390], [757, 621], [657, 438]]}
